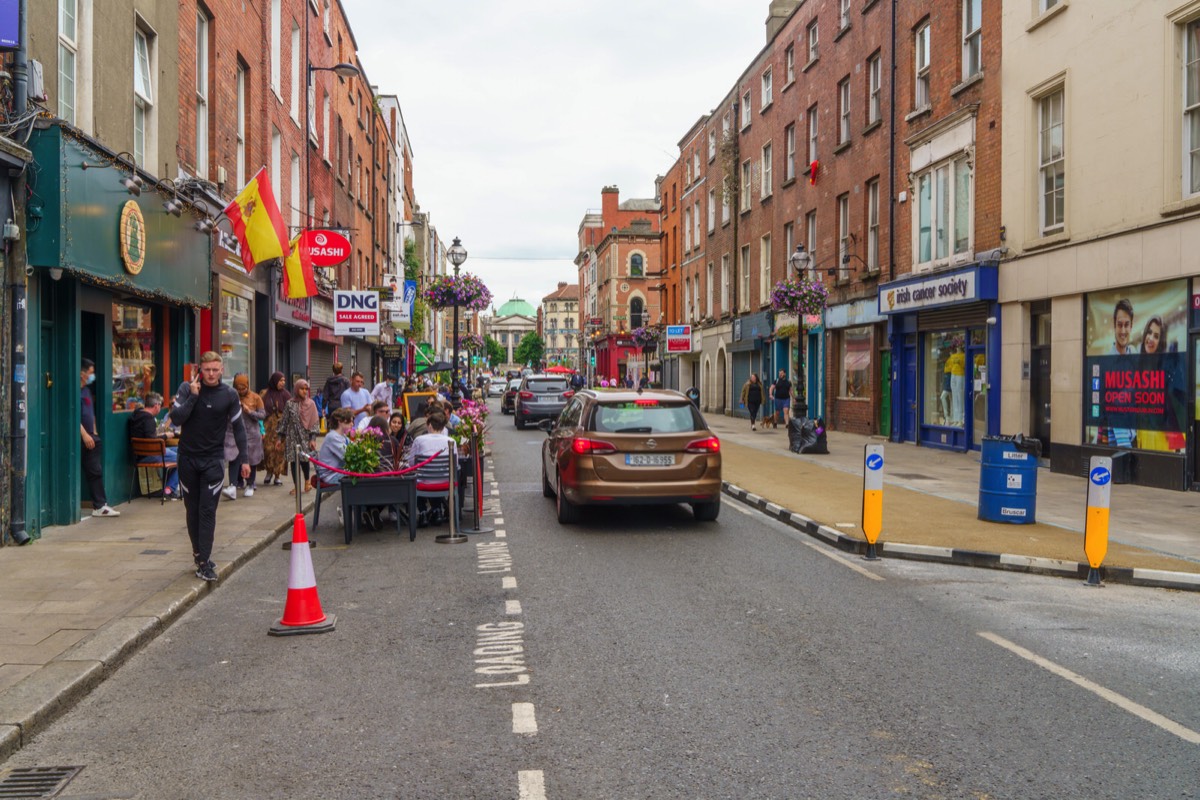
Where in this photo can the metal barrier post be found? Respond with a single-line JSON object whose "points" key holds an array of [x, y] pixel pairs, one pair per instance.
{"points": [[477, 511], [1095, 530], [454, 536]]}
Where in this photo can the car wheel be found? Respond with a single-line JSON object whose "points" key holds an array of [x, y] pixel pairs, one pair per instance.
{"points": [[568, 512], [547, 490], [706, 512], [518, 423]]}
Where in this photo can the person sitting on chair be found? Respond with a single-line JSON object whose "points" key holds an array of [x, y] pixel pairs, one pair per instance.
{"points": [[434, 442], [144, 425]]}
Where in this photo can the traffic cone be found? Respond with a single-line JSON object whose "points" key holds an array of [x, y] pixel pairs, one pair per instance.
{"points": [[302, 613]]}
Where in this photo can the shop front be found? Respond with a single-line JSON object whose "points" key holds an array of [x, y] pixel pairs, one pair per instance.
{"points": [[228, 327], [944, 335], [615, 354], [117, 281], [750, 352], [859, 367], [292, 322], [322, 344]]}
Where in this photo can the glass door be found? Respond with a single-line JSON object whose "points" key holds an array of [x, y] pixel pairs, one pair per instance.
{"points": [[1195, 440]]}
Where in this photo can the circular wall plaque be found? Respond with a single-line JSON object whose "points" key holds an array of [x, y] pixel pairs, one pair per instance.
{"points": [[132, 238]]}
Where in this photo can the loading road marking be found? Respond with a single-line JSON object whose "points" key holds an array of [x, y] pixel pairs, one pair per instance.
{"points": [[1120, 701], [512, 607], [508, 583], [524, 720], [845, 562], [532, 784]]}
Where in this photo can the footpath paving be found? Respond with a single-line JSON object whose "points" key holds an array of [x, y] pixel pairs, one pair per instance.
{"points": [[82, 599]]}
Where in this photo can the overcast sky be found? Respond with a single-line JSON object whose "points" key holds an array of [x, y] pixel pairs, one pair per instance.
{"points": [[520, 111]]}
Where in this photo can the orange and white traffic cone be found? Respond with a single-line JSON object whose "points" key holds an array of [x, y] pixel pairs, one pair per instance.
{"points": [[302, 613]]}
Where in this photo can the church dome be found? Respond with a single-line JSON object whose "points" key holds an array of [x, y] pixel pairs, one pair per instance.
{"points": [[516, 306]]}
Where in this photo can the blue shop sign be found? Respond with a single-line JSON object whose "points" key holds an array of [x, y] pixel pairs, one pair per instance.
{"points": [[10, 21], [970, 285]]}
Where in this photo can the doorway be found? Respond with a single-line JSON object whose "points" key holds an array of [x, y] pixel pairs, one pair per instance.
{"points": [[1195, 443], [1039, 380], [910, 387]]}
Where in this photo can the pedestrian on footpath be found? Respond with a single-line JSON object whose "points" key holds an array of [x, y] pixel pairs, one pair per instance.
{"points": [[253, 413], [93, 460], [781, 393], [357, 398], [275, 398], [203, 409], [752, 398], [383, 391], [300, 425]]}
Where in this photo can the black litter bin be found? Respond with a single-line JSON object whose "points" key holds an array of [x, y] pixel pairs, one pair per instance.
{"points": [[1008, 479]]}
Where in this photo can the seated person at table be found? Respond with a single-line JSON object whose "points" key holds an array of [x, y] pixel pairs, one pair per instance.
{"points": [[143, 425], [333, 449], [434, 442], [378, 409]]}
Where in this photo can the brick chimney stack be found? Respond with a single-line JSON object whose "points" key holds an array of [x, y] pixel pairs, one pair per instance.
{"points": [[778, 13], [610, 200]]}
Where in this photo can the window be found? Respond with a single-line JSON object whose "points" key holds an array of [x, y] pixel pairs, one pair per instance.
{"points": [[696, 223], [856, 363], [844, 15], [789, 164], [68, 50], [873, 225], [325, 19], [768, 89], [812, 41], [812, 134], [295, 93], [874, 83], [696, 165], [1051, 163], [725, 204], [767, 174], [708, 291], [276, 44], [712, 145], [921, 67], [745, 187], [276, 161], [325, 126], [294, 179], [236, 315], [843, 206], [726, 286], [240, 156], [725, 124], [1046, 5], [844, 110], [1191, 109], [746, 109], [943, 212], [945, 366], [201, 95], [764, 270], [637, 309], [143, 97], [972, 61], [810, 234], [789, 245], [687, 230], [789, 63], [712, 210], [637, 266], [745, 304]]}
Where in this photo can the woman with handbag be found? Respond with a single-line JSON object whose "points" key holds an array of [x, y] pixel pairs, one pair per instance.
{"points": [[275, 398], [252, 417], [299, 426]]}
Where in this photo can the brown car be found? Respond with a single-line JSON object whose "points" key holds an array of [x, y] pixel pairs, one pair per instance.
{"points": [[625, 447]]}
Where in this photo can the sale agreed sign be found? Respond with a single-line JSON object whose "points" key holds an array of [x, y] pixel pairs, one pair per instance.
{"points": [[355, 313]]}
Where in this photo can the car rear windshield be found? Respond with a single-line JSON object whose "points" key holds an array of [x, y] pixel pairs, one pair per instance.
{"points": [[645, 416], [545, 385]]}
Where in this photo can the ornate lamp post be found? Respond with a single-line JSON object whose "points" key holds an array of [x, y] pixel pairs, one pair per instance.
{"points": [[458, 256], [800, 262]]}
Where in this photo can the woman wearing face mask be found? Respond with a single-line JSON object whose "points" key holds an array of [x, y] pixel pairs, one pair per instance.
{"points": [[252, 413], [299, 426], [275, 398]]}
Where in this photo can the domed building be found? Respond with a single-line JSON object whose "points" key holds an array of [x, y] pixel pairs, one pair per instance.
{"points": [[508, 324]]}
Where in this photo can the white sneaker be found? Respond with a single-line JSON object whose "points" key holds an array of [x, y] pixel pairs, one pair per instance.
{"points": [[230, 492], [249, 491], [339, 513], [106, 511]]}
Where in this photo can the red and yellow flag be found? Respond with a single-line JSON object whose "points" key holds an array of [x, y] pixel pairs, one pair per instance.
{"points": [[298, 278], [257, 222]]}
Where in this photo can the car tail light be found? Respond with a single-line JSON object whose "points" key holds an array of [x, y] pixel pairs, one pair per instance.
{"points": [[567, 395], [592, 447], [710, 445], [526, 395]]}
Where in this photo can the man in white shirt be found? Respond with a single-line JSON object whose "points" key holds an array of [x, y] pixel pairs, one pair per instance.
{"points": [[383, 391], [357, 398]]}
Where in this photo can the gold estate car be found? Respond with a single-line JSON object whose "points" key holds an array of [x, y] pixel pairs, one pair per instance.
{"points": [[626, 447]]}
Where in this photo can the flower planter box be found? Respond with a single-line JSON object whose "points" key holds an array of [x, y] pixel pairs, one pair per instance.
{"points": [[389, 490]]}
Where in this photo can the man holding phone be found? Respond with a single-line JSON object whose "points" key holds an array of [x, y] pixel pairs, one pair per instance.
{"points": [[204, 408]]}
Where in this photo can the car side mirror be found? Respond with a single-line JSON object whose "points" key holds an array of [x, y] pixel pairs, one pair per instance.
{"points": [[547, 425]]}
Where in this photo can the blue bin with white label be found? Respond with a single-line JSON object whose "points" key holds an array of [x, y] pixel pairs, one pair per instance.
{"points": [[1008, 479]]}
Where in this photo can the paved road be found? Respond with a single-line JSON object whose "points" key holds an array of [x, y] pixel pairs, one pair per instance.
{"points": [[643, 655]]}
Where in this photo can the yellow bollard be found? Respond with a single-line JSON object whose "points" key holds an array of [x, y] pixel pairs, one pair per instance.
{"points": [[872, 516], [1095, 526]]}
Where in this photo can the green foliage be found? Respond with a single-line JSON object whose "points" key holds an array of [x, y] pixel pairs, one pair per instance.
{"points": [[412, 265], [495, 353], [362, 452], [530, 350]]}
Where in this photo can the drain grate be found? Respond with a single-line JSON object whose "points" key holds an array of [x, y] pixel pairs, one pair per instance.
{"points": [[154, 552], [27, 783]]}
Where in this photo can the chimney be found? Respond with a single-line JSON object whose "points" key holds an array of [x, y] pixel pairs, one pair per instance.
{"points": [[562, 285], [610, 200], [778, 14]]}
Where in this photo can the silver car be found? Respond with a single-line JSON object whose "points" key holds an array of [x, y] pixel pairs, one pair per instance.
{"points": [[540, 397]]}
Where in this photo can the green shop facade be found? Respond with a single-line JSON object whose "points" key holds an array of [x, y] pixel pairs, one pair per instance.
{"points": [[115, 279]]}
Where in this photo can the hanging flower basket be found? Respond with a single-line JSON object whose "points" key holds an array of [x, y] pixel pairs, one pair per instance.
{"points": [[471, 342], [645, 338], [466, 291], [786, 331], [799, 297]]}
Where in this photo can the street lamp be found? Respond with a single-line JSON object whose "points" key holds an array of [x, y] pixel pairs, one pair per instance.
{"points": [[457, 255], [800, 261]]}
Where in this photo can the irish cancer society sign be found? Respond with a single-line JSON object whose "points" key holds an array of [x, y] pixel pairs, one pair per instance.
{"points": [[355, 313], [953, 288]]}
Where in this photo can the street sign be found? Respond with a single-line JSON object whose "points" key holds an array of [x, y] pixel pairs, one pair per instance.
{"points": [[356, 313], [329, 248], [872, 516], [679, 338]]}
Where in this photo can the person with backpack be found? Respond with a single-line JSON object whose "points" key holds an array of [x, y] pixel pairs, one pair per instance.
{"points": [[335, 384]]}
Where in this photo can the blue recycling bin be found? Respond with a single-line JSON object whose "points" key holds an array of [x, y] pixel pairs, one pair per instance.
{"points": [[1008, 479]]}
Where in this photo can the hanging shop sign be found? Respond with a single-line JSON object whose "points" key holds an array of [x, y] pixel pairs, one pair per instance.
{"points": [[132, 239], [329, 248], [679, 338], [356, 313]]}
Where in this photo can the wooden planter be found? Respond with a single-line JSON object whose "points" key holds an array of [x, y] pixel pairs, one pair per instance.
{"points": [[390, 490]]}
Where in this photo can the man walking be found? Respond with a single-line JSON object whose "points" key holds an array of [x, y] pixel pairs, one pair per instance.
{"points": [[781, 390], [93, 461], [204, 409], [335, 384], [357, 398], [383, 390]]}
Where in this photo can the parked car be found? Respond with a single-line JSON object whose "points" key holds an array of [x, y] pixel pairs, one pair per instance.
{"points": [[630, 448], [509, 399], [540, 397]]}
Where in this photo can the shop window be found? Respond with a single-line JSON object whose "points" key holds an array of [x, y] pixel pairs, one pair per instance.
{"points": [[945, 378], [134, 367], [856, 363], [236, 323]]}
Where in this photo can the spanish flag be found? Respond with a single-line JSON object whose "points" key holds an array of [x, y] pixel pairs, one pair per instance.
{"points": [[257, 222], [298, 279]]}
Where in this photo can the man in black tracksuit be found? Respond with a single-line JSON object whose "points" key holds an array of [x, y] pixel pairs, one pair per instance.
{"points": [[205, 408]]}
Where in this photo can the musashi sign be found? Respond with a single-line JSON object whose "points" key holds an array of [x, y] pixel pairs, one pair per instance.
{"points": [[1136, 367]]}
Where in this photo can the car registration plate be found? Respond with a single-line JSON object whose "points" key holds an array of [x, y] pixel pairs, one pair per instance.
{"points": [[547, 398], [645, 460]]}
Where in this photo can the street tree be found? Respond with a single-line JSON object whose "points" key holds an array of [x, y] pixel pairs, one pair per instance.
{"points": [[494, 352], [531, 350]]}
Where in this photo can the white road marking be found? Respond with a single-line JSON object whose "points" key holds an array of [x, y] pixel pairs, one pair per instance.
{"points": [[495, 492], [501, 535], [845, 562], [524, 720], [512, 607], [508, 583], [499, 520], [1122, 702], [532, 784]]}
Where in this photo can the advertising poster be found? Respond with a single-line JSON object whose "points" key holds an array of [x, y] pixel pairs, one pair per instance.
{"points": [[1136, 371], [355, 313]]}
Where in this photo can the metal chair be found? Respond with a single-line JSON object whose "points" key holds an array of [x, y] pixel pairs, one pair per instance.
{"points": [[323, 489], [433, 480], [151, 448]]}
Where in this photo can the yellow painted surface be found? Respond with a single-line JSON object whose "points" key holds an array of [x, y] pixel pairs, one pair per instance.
{"points": [[872, 522], [1095, 536]]}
